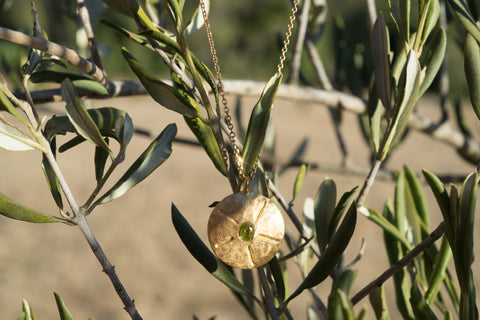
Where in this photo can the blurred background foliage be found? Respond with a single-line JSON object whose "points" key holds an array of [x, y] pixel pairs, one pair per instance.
{"points": [[247, 36]]}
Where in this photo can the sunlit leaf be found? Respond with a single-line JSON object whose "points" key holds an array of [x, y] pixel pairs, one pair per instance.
{"points": [[80, 118], [432, 15], [6, 105], [27, 313], [202, 254], [257, 126], [339, 210], [302, 173], [439, 271], [472, 71], [197, 20], [63, 311], [156, 153], [418, 196], [409, 84], [14, 210], [11, 138]]}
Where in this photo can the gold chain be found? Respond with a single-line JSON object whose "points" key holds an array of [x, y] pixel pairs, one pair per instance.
{"points": [[221, 90]]}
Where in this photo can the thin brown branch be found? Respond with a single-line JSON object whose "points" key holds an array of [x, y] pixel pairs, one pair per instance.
{"points": [[434, 236], [52, 48]]}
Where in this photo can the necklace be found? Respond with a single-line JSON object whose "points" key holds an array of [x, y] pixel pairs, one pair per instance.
{"points": [[245, 230]]}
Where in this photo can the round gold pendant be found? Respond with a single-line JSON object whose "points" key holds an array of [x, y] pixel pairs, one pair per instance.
{"points": [[245, 230]]}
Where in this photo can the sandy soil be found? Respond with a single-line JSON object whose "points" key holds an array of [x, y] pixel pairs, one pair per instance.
{"points": [[136, 230]]}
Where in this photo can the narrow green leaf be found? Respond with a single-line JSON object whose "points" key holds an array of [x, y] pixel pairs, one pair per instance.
{"points": [[432, 58], [160, 91], [405, 6], [439, 271], [386, 225], [14, 210], [63, 311], [27, 313], [433, 13], [205, 136], [12, 139], [345, 280], [277, 277], [124, 129], [324, 208], [302, 173], [419, 306], [157, 152], [409, 84], [80, 118], [204, 256], [381, 49], [330, 257], [418, 197], [139, 39], [375, 112], [339, 210], [400, 204], [339, 306], [79, 81], [472, 71], [379, 303], [465, 18], [257, 126], [176, 14], [100, 160]]}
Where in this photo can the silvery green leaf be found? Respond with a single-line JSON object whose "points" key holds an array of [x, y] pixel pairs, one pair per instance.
{"points": [[302, 173], [379, 303], [156, 153], [80, 118], [79, 81], [257, 125], [409, 84], [432, 15], [27, 313], [11, 138], [324, 208], [14, 210], [432, 58], [472, 71], [6, 105]]}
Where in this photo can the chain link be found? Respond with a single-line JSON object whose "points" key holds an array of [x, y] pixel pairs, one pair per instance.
{"points": [[228, 119]]}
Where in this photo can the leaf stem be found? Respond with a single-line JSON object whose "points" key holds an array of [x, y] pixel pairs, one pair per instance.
{"points": [[270, 304], [368, 183]]}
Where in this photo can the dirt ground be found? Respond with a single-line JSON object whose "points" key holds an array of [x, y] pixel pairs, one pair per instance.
{"points": [[136, 230]]}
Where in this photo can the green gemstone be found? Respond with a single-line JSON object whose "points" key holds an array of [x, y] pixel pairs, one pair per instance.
{"points": [[246, 231]]}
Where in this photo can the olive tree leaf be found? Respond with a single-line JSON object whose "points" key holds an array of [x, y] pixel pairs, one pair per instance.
{"points": [[63, 311], [80, 118], [27, 313], [257, 125], [79, 81], [160, 91], [324, 207], [439, 271], [465, 18], [52, 181], [379, 303], [420, 308], [197, 20], [302, 173], [14, 210], [6, 105], [156, 153], [11, 138], [381, 49], [432, 15], [409, 84], [204, 256], [472, 71], [432, 58], [332, 254]]}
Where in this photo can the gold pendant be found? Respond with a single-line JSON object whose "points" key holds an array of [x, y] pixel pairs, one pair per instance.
{"points": [[246, 230]]}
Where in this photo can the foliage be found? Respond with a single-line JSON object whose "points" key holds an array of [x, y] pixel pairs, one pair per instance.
{"points": [[409, 44]]}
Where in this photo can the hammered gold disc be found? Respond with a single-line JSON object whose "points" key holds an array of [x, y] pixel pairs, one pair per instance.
{"points": [[245, 230]]}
